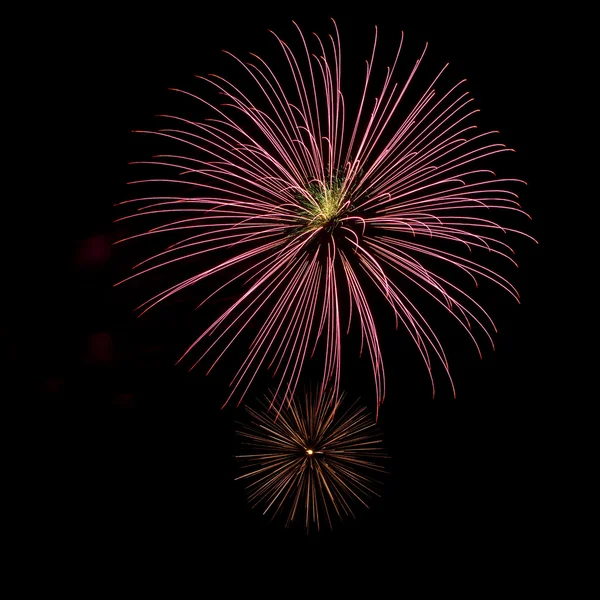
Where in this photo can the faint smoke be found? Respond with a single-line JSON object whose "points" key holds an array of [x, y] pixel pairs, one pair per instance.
{"points": [[93, 251], [99, 349]]}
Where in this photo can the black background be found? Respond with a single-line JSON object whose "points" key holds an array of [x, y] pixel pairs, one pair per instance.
{"points": [[149, 474]]}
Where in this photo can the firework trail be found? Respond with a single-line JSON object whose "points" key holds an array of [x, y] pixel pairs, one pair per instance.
{"points": [[304, 211], [312, 459]]}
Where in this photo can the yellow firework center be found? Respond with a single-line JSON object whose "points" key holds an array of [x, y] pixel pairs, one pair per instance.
{"points": [[329, 208], [324, 207]]}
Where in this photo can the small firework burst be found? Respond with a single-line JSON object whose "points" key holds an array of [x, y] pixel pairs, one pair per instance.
{"points": [[304, 210], [312, 459]]}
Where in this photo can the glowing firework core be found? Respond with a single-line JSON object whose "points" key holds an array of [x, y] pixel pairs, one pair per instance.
{"points": [[324, 204], [309, 451]]}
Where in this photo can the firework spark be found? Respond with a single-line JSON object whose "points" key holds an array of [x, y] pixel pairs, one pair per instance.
{"points": [[313, 459], [302, 212]]}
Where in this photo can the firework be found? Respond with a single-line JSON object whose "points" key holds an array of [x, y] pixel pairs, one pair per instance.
{"points": [[311, 459], [299, 212]]}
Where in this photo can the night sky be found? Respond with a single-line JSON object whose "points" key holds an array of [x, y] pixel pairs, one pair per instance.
{"points": [[465, 475]]}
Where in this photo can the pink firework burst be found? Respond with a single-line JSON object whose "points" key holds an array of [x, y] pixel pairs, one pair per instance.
{"points": [[306, 210]]}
